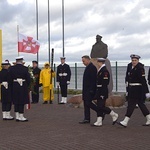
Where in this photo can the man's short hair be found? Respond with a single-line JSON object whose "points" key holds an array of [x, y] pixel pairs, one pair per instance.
{"points": [[86, 57]]}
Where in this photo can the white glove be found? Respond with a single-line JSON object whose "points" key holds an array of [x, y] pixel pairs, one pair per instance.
{"points": [[147, 95], [102, 97], [126, 93], [58, 84], [68, 82], [127, 84], [5, 84]]}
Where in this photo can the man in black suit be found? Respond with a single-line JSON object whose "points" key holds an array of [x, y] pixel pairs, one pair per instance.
{"points": [[89, 88], [63, 78], [36, 73], [19, 79]]}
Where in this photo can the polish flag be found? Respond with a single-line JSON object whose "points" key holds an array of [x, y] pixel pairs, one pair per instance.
{"points": [[27, 44]]}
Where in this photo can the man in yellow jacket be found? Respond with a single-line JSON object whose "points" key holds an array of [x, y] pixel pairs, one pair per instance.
{"points": [[45, 81]]}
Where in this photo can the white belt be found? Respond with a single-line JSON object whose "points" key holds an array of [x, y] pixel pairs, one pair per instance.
{"points": [[135, 84], [20, 81], [62, 74], [99, 85], [5, 84]]}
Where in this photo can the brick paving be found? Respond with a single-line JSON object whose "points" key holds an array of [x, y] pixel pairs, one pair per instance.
{"points": [[56, 127]]}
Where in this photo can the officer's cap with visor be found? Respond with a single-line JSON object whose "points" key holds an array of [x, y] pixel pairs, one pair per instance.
{"points": [[19, 58], [101, 59], [135, 56], [5, 63], [62, 57], [98, 36], [34, 61]]}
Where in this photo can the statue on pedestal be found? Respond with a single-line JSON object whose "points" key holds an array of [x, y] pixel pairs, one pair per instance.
{"points": [[100, 50]]}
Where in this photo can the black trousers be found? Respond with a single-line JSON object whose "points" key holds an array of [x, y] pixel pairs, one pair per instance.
{"points": [[19, 108], [35, 94], [102, 109], [63, 89], [87, 106], [131, 106], [6, 106]]}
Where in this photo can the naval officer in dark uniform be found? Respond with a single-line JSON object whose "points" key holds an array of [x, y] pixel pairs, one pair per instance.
{"points": [[19, 78], [6, 96], [36, 72], [63, 78], [102, 82], [137, 88]]}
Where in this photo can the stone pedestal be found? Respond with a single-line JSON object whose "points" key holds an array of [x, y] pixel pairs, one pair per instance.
{"points": [[113, 101]]}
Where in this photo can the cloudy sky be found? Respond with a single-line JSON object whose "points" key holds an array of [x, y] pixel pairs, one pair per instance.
{"points": [[124, 25]]}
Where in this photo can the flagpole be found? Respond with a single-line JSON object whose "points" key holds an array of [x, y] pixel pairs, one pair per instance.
{"points": [[37, 33], [48, 32], [18, 38], [63, 27]]}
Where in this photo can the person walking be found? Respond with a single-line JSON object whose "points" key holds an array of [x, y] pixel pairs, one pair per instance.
{"points": [[6, 96], [137, 88], [45, 76], [63, 78], [36, 73], [102, 82], [19, 79], [89, 88]]}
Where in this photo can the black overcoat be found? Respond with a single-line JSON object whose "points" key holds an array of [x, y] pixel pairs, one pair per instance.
{"points": [[20, 93], [5, 93], [89, 82]]}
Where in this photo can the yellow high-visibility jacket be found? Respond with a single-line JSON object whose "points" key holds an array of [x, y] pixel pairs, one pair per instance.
{"points": [[45, 77]]}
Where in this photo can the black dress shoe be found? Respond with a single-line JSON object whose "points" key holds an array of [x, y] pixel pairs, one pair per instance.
{"points": [[84, 121], [51, 102], [45, 102], [146, 125]]}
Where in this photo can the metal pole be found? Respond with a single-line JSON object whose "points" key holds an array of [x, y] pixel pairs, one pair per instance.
{"points": [[63, 28], [48, 32], [75, 75], [54, 78], [37, 33], [116, 76]]}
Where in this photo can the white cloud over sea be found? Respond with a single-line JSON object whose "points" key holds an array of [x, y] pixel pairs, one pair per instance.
{"points": [[124, 25]]}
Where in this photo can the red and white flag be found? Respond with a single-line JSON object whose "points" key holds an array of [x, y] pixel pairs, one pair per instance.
{"points": [[27, 44]]}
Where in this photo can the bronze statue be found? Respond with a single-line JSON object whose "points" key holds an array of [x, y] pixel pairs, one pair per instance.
{"points": [[100, 50]]}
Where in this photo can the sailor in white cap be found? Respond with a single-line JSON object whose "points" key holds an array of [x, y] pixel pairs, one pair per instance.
{"points": [[103, 78], [137, 90], [20, 80], [63, 78], [6, 97]]}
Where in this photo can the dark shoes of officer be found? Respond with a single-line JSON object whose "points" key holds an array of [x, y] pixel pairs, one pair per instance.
{"points": [[51, 102], [45, 102], [84, 121]]}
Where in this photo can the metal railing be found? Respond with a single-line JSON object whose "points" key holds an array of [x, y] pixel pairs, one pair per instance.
{"points": [[118, 74]]}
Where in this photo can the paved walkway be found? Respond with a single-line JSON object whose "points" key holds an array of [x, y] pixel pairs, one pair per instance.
{"points": [[56, 127]]}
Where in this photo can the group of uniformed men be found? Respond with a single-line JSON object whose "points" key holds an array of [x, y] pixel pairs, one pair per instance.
{"points": [[16, 82], [95, 86]]}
